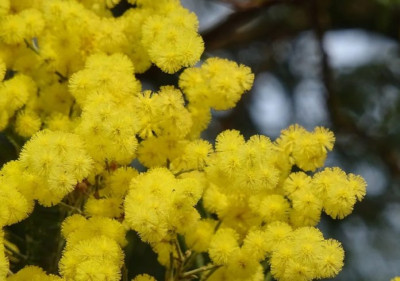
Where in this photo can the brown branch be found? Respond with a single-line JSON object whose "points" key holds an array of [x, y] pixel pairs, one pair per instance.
{"points": [[252, 4], [341, 122], [248, 23]]}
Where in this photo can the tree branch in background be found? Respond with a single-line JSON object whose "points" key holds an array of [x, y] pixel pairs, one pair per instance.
{"points": [[250, 21], [342, 123]]}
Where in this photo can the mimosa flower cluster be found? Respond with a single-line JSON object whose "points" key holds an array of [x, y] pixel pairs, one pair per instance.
{"points": [[68, 90]]}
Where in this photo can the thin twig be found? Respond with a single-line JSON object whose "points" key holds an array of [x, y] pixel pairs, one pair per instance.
{"points": [[189, 260], [199, 270], [217, 226], [209, 274], [179, 251], [14, 252], [73, 208], [31, 47], [62, 77], [14, 143]]}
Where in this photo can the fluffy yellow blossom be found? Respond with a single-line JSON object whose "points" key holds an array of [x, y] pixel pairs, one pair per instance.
{"points": [[55, 99], [202, 115], [273, 208], [223, 245], [93, 250], [59, 122], [295, 183], [332, 256], [98, 258], [162, 114], [168, 149], [21, 5], [72, 223], [194, 157], [112, 74], [215, 201], [144, 277], [104, 207], [117, 183], [33, 273], [109, 34], [358, 185], [68, 88], [305, 255], [133, 21], [275, 234], [4, 7], [164, 250], [306, 209], [171, 38], [159, 205], [17, 177], [27, 123], [338, 191], [198, 237], [239, 216], [308, 149], [60, 159], [34, 22], [225, 274], [255, 245], [3, 69], [241, 266], [175, 48], [15, 92], [76, 229], [288, 137], [229, 141], [247, 166], [12, 29], [218, 82], [15, 207], [24, 25]]}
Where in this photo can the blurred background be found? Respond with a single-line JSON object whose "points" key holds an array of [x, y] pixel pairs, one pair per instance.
{"points": [[333, 63]]}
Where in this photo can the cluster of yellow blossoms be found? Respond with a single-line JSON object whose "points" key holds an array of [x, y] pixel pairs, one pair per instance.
{"points": [[68, 90]]}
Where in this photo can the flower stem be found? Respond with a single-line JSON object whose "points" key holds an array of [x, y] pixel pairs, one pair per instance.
{"points": [[70, 207], [199, 270]]}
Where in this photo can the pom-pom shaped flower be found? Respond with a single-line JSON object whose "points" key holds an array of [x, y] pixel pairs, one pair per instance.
{"points": [[33, 273], [60, 159], [223, 245], [219, 83], [99, 258], [305, 255], [76, 228], [110, 74], [338, 191], [144, 277], [15, 92], [27, 123], [158, 205], [3, 69], [171, 38]]}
